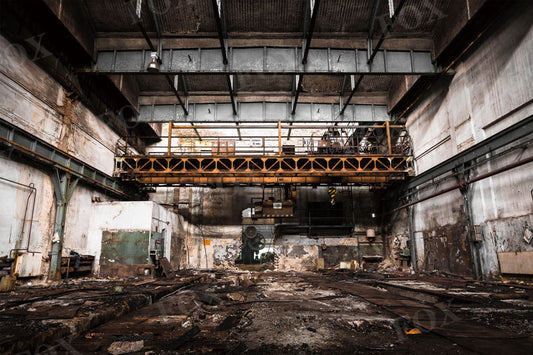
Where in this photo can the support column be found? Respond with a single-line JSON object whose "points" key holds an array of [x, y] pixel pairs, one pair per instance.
{"points": [[64, 185], [466, 192], [411, 220]]}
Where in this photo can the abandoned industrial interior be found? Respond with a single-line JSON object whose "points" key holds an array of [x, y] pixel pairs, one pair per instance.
{"points": [[266, 176]]}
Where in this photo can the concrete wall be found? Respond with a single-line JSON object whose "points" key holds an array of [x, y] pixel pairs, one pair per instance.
{"points": [[491, 90], [131, 216], [30, 99], [211, 223]]}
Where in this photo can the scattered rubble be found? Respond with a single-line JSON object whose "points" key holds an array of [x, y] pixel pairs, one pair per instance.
{"points": [[125, 347], [293, 312]]}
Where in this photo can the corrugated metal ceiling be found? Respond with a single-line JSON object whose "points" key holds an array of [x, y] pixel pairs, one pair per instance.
{"points": [[185, 17], [266, 16]]}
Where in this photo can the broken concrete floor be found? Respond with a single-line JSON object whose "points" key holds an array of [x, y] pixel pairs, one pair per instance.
{"points": [[277, 313]]}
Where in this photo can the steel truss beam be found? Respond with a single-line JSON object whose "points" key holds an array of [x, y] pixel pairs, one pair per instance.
{"points": [[266, 60], [370, 169], [17, 139], [262, 112]]}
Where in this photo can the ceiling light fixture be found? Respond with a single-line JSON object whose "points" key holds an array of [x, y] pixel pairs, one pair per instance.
{"points": [[153, 66]]}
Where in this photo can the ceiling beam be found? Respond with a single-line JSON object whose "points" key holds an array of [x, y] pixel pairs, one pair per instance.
{"points": [[198, 97], [262, 112], [74, 17], [310, 14], [394, 16], [132, 41], [159, 50], [373, 52], [309, 26], [267, 60], [219, 9]]}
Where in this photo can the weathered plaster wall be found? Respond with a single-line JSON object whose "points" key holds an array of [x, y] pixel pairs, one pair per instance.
{"points": [[214, 216], [491, 90], [12, 210], [30, 99]]}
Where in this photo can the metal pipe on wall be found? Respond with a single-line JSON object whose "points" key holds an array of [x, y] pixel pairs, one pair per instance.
{"points": [[33, 191], [464, 183]]}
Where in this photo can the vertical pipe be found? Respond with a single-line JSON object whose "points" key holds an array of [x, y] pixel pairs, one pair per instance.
{"points": [[388, 137], [169, 137], [279, 137]]}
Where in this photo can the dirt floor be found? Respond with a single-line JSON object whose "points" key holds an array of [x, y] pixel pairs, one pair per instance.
{"points": [[278, 313]]}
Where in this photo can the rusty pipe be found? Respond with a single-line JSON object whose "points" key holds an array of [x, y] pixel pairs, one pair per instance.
{"points": [[467, 182]]}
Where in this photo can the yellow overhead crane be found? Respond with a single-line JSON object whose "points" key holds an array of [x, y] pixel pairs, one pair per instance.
{"points": [[372, 155]]}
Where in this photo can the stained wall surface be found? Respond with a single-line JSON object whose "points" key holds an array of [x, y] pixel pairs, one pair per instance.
{"points": [[31, 100], [490, 91]]}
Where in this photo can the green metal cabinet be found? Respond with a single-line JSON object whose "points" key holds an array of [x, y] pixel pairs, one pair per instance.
{"points": [[125, 248]]}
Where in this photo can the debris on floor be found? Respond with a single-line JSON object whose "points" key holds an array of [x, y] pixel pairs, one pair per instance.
{"points": [[125, 347], [276, 313]]}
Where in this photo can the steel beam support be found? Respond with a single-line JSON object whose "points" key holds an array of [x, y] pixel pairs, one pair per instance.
{"points": [[499, 140], [219, 10], [466, 192], [231, 86], [311, 11], [263, 112], [267, 60], [64, 185], [16, 139], [373, 52], [183, 80], [159, 50], [345, 78], [309, 26], [394, 16], [175, 91], [137, 20], [354, 89], [298, 79], [375, 10]]}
